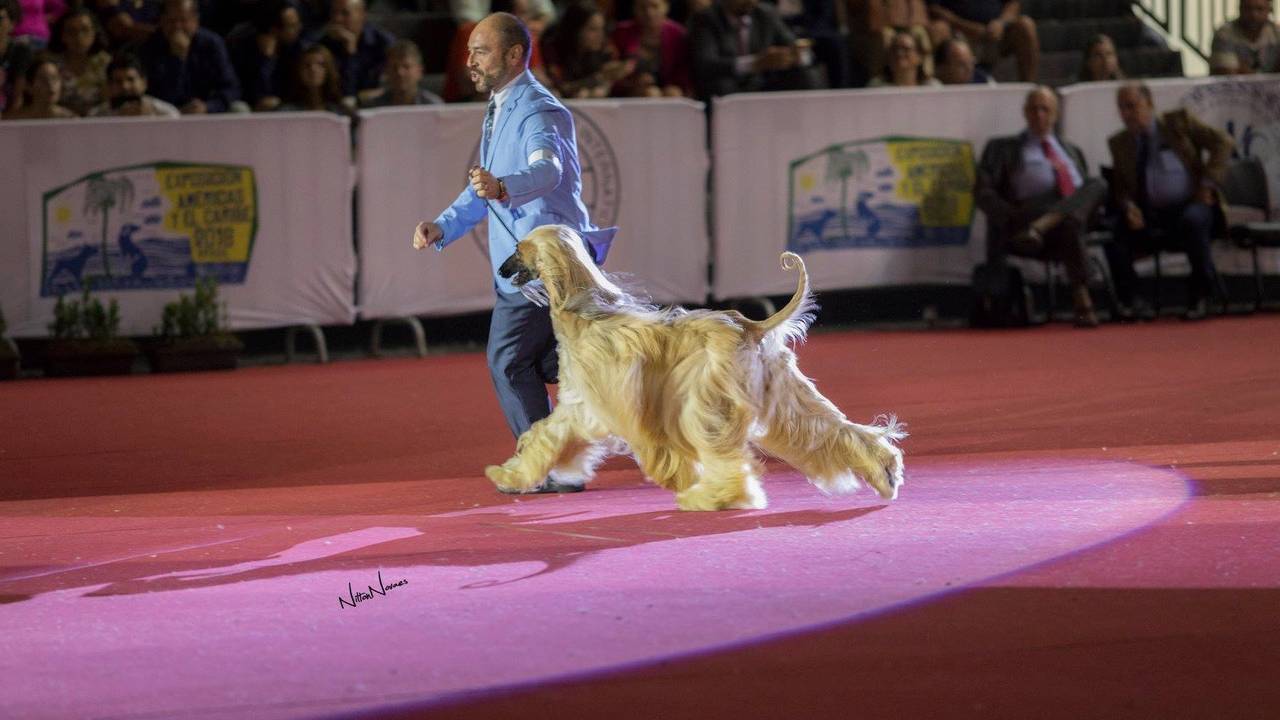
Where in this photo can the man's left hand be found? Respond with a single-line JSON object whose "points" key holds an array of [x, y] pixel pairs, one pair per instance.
{"points": [[1206, 195], [195, 107], [484, 183]]}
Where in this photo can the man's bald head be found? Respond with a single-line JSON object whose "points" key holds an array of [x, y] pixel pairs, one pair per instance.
{"points": [[179, 15], [510, 31], [497, 51], [1041, 110]]}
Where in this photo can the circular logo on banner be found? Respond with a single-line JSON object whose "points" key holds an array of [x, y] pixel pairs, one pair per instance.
{"points": [[601, 176], [601, 179]]}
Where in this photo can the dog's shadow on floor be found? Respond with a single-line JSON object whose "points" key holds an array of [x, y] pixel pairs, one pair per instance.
{"points": [[479, 538], [573, 540]]}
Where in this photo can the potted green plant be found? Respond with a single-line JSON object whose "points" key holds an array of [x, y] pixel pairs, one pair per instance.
{"points": [[192, 334], [86, 339], [9, 359]]}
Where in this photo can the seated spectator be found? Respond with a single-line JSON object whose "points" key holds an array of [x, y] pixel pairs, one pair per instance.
{"points": [[659, 46], [358, 47], [264, 52], [876, 22], [1035, 190], [956, 65], [742, 46], [578, 58], [403, 83], [1100, 61], [188, 66], [37, 17], [905, 66], [817, 23], [15, 56], [127, 92], [316, 84], [997, 28], [44, 92], [127, 23], [80, 49], [1165, 175], [1248, 44]]}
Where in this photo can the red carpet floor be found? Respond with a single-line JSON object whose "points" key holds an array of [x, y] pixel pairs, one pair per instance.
{"points": [[1090, 528]]}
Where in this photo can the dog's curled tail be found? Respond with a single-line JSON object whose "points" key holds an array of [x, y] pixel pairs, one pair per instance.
{"points": [[794, 318]]}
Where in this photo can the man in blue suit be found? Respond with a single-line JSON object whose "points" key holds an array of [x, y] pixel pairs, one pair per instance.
{"points": [[528, 176]]}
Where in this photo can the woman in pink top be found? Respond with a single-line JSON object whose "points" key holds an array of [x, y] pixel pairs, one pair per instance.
{"points": [[660, 48], [37, 16]]}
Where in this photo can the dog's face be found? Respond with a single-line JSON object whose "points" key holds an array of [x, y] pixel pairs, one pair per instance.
{"points": [[554, 244], [522, 267]]}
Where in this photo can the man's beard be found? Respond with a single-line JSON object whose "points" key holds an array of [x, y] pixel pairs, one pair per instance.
{"points": [[486, 82]]}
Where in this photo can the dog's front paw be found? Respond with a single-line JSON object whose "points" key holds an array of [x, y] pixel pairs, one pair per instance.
{"points": [[889, 476], [505, 480]]}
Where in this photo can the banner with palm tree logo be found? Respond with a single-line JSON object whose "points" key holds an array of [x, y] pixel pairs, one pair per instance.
{"points": [[891, 192], [154, 226]]}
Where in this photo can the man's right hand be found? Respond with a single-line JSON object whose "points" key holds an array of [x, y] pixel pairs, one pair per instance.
{"points": [[427, 233], [349, 40]]}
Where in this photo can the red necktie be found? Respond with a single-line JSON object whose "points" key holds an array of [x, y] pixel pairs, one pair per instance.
{"points": [[1060, 170]]}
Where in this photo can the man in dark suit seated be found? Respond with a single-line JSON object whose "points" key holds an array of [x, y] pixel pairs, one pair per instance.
{"points": [[743, 46], [1038, 198], [187, 65], [359, 47], [1163, 180]]}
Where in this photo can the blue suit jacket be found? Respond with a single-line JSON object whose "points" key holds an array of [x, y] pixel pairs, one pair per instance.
{"points": [[530, 119]]}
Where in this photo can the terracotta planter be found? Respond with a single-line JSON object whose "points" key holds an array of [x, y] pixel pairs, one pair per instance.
{"points": [[217, 352], [90, 357]]}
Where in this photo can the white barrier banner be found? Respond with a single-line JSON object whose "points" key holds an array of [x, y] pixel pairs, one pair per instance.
{"points": [[874, 187], [139, 209], [1247, 109], [644, 166]]}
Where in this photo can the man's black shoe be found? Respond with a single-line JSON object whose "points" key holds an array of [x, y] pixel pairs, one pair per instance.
{"points": [[550, 485]]}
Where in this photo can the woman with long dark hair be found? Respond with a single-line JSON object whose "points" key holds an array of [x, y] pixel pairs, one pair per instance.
{"points": [[578, 58], [316, 85]]}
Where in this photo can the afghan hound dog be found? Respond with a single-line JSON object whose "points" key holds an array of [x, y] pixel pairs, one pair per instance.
{"points": [[692, 394]]}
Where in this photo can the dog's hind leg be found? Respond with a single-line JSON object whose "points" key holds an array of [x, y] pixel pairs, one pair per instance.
{"points": [[666, 467], [552, 441], [809, 433]]}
